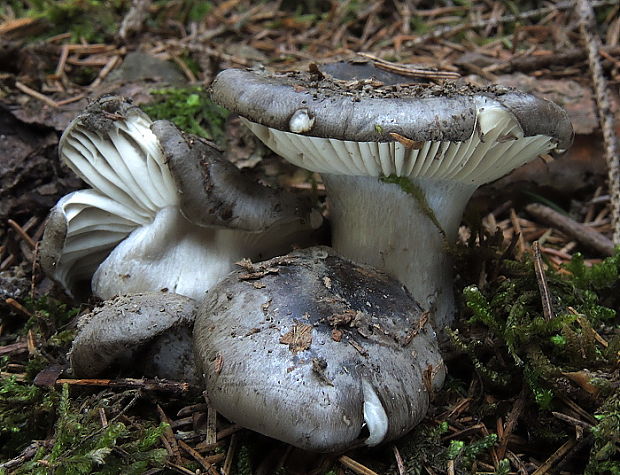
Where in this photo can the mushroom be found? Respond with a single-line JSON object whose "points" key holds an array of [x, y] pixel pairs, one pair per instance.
{"points": [[148, 332], [316, 351], [166, 210], [400, 161]]}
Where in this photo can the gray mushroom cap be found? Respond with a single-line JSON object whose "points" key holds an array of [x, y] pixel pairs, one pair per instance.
{"points": [[148, 333], [213, 192], [316, 351], [420, 112]]}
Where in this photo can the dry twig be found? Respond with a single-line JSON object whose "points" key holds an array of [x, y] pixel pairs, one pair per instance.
{"points": [[355, 466], [584, 234], [545, 296], [555, 457]]}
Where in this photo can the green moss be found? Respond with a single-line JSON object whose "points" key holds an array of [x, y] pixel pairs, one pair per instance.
{"points": [[541, 349], [92, 20], [81, 445], [191, 110], [26, 413], [605, 454], [424, 447], [416, 192]]}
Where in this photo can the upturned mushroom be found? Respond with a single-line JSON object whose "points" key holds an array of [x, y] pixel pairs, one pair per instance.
{"points": [[166, 210], [399, 161], [316, 351], [148, 334]]}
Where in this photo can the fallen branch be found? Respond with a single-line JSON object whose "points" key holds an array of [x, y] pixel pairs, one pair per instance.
{"points": [[585, 235]]}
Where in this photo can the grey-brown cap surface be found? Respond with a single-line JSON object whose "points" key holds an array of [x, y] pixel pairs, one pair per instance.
{"points": [[318, 352], [146, 334], [370, 113]]}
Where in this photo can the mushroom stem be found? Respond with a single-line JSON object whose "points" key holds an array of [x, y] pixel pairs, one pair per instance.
{"points": [[175, 254], [386, 226]]}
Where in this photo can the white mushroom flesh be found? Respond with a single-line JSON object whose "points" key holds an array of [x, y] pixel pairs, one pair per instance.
{"points": [[301, 121]]}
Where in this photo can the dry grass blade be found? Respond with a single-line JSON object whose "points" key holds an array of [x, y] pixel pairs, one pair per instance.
{"points": [[230, 455], [179, 468], [37, 95], [581, 323], [199, 458], [168, 436], [571, 420], [545, 295], [511, 423], [22, 234], [399, 461], [19, 307]]}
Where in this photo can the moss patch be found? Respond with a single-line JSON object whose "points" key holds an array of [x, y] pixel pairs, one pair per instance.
{"points": [[191, 110]]}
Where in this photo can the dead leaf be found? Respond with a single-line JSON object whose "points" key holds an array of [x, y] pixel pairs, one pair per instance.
{"points": [[299, 338], [343, 318], [582, 379], [218, 364]]}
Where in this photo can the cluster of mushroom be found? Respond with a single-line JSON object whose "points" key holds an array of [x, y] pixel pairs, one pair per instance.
{"points": [[325, 349]]}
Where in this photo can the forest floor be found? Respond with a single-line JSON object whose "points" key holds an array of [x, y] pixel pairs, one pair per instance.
{"points": [[532, 382]]}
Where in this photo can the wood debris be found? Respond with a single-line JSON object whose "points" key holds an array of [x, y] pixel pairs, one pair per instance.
{"points": [[298, 338]]}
